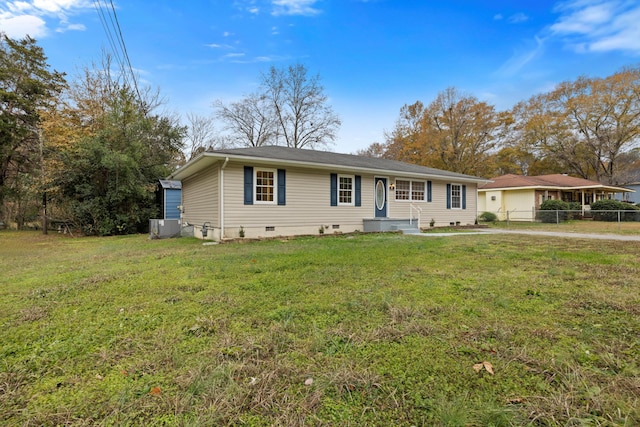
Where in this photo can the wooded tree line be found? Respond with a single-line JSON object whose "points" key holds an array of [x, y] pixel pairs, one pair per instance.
{"points": [[90, 152], [589, 128]]}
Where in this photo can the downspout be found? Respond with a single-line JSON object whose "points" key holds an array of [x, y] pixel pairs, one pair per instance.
{"points": [[224, 165]]}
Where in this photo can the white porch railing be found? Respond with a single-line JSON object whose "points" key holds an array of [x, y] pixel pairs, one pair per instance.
{"points": [[418, 209]]}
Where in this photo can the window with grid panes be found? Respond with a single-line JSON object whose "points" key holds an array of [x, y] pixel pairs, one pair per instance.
{"points": [[345, 190], [265, 185]]}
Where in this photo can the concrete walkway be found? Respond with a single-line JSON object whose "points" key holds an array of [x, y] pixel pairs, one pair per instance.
{"points": [[621, 237]]}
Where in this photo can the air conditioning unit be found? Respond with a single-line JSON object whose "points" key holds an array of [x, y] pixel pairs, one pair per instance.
{"points": [[164, 228]]}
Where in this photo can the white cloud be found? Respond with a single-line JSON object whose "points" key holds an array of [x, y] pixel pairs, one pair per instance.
{"points": [[233, 55], [294, 7], [20, 26], [56, 6], [519, 60], [71, 27], [497, 17], [599, 25], [34, 17], [517, 18]]}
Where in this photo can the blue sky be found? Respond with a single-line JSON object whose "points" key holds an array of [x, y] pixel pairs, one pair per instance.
{"points": [[373, 56]]}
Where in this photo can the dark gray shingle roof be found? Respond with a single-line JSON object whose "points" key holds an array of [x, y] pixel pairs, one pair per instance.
{"points": [[338, 159]]}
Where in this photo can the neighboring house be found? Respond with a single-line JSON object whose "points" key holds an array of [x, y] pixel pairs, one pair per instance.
{"points": [[520, 196], [280, 191], [170, 198], [631, 197]]}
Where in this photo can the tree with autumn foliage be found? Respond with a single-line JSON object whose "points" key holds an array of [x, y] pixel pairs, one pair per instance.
{"points": [[103, 178], [455, 132], [586, 125]]}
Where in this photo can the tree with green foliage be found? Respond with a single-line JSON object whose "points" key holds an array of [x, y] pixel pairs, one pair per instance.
{"points": [[110, 172], [28, 89]]}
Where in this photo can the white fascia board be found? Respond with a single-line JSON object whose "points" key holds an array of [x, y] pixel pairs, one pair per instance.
{"points": [[341, 168]]}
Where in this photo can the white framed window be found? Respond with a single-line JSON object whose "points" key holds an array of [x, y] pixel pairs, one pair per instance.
{"points": [[265, 186], [417, 190], [403, 190], [345, 190], [456, 196], [410, 190]]}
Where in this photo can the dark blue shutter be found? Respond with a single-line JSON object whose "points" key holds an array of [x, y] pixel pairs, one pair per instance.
{"points": [[464, 197], [358, 192], [429, 196], [282, 187], [248, 185], [334, 189], [448, 196]]}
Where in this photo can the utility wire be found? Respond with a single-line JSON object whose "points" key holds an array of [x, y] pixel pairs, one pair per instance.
{"points": [[126, 55], [116, 40], [110, 38]]}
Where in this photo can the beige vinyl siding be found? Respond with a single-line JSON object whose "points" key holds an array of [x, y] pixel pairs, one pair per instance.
{"points": [[437, 208], [200, 198], [308, 205]]}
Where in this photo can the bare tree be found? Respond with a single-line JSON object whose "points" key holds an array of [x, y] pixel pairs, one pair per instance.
{"points": [[304, 119], [200, 133], [250, 121], [289, 109]]}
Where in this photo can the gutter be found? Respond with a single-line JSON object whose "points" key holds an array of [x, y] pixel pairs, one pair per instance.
{"points": [[224, 165]]}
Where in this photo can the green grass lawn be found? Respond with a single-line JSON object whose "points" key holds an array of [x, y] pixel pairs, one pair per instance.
{"points": [[367, 329], [574, 226]]}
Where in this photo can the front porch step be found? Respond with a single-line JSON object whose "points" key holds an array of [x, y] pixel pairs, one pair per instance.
{"points": [[406, 225], [407, 229]]}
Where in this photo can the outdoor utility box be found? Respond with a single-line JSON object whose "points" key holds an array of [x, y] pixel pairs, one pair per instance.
{"points": [[170, 198], [164, 228]]}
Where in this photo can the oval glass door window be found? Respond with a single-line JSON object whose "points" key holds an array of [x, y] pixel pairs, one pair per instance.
{"points": [[380, 195]]}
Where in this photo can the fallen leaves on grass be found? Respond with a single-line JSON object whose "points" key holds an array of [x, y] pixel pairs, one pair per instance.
{"points": [[483, 365]]}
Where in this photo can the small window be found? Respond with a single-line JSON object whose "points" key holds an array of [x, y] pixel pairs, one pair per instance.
{"points": [[403, 190], [270, 228], [345, 190], [456, 196], [265, 185], [417, 190]]}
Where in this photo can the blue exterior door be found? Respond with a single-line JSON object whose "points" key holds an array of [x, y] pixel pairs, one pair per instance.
{"points": [[172, 199], [381, 197]]}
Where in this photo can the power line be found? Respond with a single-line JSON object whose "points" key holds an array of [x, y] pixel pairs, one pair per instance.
{"points": [[116, 40], [124, 49], [110, 38]]}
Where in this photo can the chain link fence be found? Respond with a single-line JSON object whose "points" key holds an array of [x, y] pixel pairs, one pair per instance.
{"points": [[558, 216]]}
